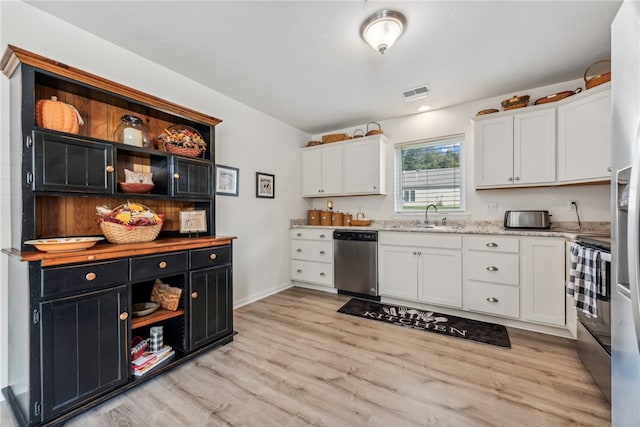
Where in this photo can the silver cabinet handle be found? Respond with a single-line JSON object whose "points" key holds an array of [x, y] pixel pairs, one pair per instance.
{"points": [[491, 245], [323, 274], [517, 178], [492, 268], [322, 252], [298, 250], [510, 179], [299, 235], [298, 271], [322, 236], [492, 299]]}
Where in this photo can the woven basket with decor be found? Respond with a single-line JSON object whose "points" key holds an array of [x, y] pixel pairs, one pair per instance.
{"points": [[334, 137], [118, 233], [599, 78], [515, 102], [183, 151]]}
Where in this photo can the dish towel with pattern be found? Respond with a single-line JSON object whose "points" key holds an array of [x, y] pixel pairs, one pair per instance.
{"points": [[586, 278]]}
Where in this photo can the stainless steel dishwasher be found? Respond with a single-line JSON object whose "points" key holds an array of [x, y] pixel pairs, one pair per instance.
{"points": [[355, 262]]}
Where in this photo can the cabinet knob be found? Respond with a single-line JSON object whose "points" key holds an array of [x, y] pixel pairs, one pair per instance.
{"points": [[609, 169], [322, 236], [109, 169], [492, 245], [213, 256], [194, 295], [517, 178], [492, 268], [299, 235], [176, 175], [298, 250], [419, 252], [510, 179], [91, 258], [90, 276], [415, 253], [298, 271], [375, 188], [492, 299], [124, 315], [322, 253], [162, 264], [323, 274]]}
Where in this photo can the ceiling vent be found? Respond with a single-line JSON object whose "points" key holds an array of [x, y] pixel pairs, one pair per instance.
{"points": [[416, 93]]}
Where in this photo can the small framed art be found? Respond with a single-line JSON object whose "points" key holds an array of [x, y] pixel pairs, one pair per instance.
{"points": [[193, 221], [265, 185], [227, 180]]}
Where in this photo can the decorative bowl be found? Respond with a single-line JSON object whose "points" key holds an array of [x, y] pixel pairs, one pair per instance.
{"points": [[64, 244], [135, 187], [143, 308], [183, 140]]}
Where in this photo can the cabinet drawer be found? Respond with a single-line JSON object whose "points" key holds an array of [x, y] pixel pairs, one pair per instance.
{"points": [[87, 277], [311, 250], [492, 267], [424, 240], [492, 299], [158, 265], [210, 257], [491, 243], [313, 272], [312, 233]]}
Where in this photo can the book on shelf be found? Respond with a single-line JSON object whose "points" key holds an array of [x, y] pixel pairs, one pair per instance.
{"points": [[148, 361]]}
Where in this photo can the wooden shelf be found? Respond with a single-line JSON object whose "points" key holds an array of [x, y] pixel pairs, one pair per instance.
{"points": [[157, 316]]}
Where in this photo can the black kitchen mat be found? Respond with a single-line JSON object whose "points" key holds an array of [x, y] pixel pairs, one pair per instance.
{"points": [[425, 320]]}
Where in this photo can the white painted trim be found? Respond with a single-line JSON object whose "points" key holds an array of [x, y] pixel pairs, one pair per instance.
{"points": [[260, 295], [315, 287]]}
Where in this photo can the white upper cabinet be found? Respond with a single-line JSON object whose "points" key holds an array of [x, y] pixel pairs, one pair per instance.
{"points": [[584, 138], [363, 166], [322, 171], [516, 149], [345, 168]]}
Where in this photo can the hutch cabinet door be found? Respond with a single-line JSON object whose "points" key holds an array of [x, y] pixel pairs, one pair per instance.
{"points": [[84, 348], [72, 165], [192, 178], [211, 307]]}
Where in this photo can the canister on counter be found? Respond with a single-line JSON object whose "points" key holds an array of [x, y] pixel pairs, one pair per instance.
{"points": [[336, 218], [313, 217], [346, 219], [325, 218]]}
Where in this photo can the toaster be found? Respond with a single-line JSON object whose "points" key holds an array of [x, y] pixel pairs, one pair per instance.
{"points": [[527, 219]]}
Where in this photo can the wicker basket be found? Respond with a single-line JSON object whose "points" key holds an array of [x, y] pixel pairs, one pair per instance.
{"points": [[118, 233], [374, 131], [360, 220], [183, 151], [515, 102], [334, 137], [597, 79], [557, 96], [487, 111]]}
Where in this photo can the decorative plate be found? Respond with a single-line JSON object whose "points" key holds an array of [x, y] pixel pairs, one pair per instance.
{"points": [[64, 244], [143, 308], [135, 187]]}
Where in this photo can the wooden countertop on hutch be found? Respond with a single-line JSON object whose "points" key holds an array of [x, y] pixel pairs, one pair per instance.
{"points": [[103, 251]]}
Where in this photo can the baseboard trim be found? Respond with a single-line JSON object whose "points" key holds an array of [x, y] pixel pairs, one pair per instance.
{"points": [[268, 292]]}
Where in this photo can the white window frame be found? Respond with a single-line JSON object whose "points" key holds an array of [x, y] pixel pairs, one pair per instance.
{"points": [[399, 192]]}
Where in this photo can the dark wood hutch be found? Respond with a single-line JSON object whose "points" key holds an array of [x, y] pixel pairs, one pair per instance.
{"points": [[70, 328]]}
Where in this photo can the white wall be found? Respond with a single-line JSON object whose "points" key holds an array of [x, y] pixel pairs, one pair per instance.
{"points": [[593, 200], [246, 139]]}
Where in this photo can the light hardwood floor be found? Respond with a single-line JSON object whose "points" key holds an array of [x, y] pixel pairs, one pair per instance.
{"points": [[296, 362]]}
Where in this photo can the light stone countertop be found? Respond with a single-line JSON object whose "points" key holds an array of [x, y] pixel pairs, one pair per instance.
{"points": [[566, 230]]}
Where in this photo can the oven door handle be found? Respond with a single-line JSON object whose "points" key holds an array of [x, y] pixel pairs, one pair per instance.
{"points": [[633, 228]]}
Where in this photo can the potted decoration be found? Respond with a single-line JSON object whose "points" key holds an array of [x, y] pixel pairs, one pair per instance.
{"points": [[129, 223], [183, 140]]}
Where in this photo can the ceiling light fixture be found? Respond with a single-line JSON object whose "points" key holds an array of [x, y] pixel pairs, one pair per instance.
{"points": [[382, 29]]}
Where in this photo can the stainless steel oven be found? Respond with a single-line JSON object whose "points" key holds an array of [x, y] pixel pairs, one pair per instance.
{"points": [[594, 333]]}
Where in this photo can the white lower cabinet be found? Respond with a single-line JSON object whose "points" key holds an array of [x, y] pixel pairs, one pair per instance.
{"points": [[543, 281], [312, 256], [491, 275], [421, 267]]}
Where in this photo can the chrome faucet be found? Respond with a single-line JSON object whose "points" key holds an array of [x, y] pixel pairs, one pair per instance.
{"points": [[426, 213]]}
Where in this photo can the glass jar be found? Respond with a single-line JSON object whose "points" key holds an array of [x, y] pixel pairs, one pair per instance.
{"points": [[132, 131]]}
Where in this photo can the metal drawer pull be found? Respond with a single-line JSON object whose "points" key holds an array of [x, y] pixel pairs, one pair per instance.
{"points": [[124, 316], [323, 274], [213, 256], [298, 271], [492, 299], [90, 276], [492, 268], [194, 295], [415, 253], [491, 245], [162, 264], [298, 250], [322, 252], [299, 235], [322, 236], [176, 175], [109, 169], [510, 179]]}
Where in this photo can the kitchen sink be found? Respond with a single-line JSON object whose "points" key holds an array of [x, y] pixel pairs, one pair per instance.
{"points": [[428, 226]]}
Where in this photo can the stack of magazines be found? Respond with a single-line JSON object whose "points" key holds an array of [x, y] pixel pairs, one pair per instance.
{"points": [[150, 360]]}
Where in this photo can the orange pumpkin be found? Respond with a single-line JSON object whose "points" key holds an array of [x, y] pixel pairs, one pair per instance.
{"points": [[56, 115]]}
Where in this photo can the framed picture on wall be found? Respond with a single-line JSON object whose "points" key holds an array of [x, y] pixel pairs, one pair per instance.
{"points": [[265, 185], [227, 180], [193, 221]]}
